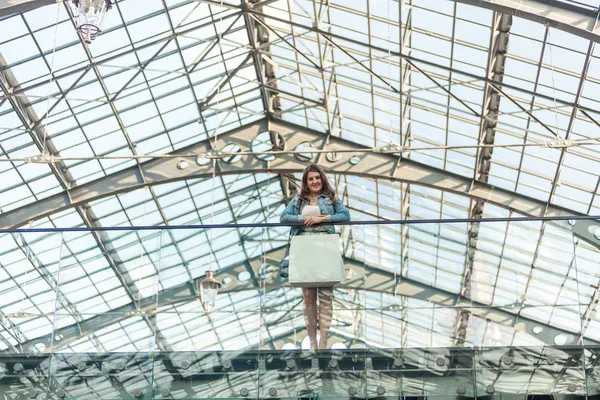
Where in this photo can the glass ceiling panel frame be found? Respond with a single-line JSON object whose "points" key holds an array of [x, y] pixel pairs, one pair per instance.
{"points": [[316, 88], [220, 92]]}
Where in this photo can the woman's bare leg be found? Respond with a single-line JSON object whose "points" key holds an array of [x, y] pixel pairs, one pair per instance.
{"points": [[325, 313], [310, 314]]}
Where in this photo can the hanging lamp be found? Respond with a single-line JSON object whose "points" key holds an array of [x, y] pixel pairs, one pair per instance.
{"points": [[208, 289], [90, 15]]}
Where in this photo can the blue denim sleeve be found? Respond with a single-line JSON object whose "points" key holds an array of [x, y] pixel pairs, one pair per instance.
{"points": [[288, 213], [341, 213]]}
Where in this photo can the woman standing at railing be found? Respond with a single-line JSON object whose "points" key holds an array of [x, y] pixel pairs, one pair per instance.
{"points": [[315, 206]]}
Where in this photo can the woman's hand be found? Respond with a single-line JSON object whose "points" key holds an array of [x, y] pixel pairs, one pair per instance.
{"points": [[314, 220]]}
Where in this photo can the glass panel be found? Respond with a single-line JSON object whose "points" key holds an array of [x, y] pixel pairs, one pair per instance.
{"points": [[437, 372], [105, 333], [204, 352], [31, 273], [426, 309], [288, 367], [525, 370], [409, 319], [533, 321], [586, 262], [592, 369]]}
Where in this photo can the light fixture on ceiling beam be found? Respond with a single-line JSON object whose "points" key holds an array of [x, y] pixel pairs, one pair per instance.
{"points": [[90, 15]]}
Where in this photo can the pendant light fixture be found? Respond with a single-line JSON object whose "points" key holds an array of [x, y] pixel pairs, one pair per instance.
{"points": [[90, 16], [208, 289]]}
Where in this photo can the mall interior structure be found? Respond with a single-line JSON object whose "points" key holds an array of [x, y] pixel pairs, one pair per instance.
{"points": [[148, 148]]}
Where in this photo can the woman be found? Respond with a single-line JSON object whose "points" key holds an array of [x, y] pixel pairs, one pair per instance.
{"points": [[315, 206]]}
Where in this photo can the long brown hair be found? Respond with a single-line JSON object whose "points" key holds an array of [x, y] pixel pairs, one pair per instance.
{"points": [[326, 188]]}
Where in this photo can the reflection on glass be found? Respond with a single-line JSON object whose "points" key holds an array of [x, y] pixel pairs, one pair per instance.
{"points": [[424, 324]]}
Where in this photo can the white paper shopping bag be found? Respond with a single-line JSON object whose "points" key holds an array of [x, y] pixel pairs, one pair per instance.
{"points": [[315, 261]]}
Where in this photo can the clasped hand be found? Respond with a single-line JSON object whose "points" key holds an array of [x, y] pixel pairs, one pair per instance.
{"points": [[308, 221]]}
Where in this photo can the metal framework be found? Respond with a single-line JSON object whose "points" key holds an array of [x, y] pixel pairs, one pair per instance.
{"points": [[373, 165], [365, 277], [27, 116], [569, 16], [8, 7], [258, 76], [361, 373], [501, 24]]}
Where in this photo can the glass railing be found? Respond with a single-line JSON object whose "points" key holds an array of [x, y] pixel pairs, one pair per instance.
{"points": [[425, 309]]}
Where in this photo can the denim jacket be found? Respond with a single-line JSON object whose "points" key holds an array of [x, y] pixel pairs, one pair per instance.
{"points": [[333, 212]]}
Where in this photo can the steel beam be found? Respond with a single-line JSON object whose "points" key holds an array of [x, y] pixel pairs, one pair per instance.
{"points": [[365, 277], [501, 24], [568, 17], [371, 165], [27, 115], [354, 373], [84, 211], [356, 44], [9, 7]]}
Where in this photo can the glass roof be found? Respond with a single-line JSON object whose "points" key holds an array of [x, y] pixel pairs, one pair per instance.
{"points": [[418, 73]]}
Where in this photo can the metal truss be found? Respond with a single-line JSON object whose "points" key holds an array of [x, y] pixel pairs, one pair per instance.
{"points": [[8, 7], [350, 373], [27, 116], [561, 15], [541, 6], [501, 24], [365, 278], [372, 164], [573, 17], [334, 38], [231, 19], [568, 16]]}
